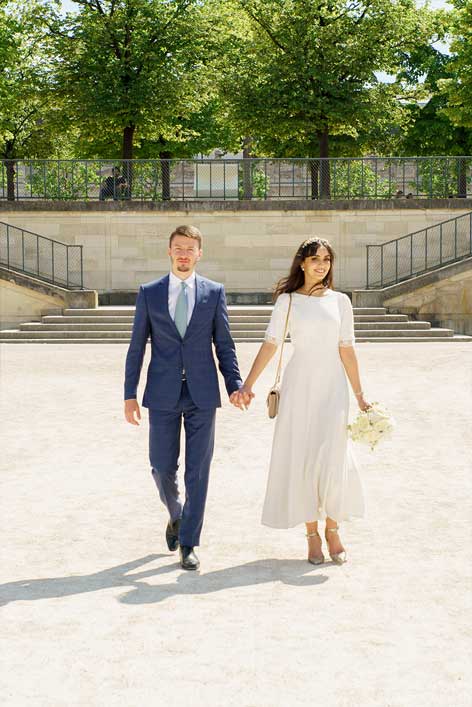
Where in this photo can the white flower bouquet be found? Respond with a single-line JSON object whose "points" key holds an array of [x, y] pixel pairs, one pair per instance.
{"points": [[371, 426]]}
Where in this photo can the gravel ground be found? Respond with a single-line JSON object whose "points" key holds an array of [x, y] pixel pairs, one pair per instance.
{"points": [[96, 611]]}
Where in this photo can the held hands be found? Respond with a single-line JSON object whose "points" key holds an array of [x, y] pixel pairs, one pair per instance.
{"points": [[132, 411], [242, 398]]}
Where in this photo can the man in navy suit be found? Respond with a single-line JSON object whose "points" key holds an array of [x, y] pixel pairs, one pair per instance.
{"points": [[183, 314]]}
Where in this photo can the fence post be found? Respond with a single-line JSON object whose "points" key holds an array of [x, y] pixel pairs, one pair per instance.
{"points": [[381, 265], [67, 266], [23, 248], [396, 260], [470, 233], [440, 244], [411, 254], [52, 262], [455, 239], [367, 267], [37, 254], [81, 268], [426, 250], [8, 245]]}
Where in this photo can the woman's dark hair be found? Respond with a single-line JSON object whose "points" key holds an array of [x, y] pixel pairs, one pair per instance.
{"points": [[295, 279]]}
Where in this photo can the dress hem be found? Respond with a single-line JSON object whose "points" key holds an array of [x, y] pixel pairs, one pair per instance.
{"points": [[347, 519]]}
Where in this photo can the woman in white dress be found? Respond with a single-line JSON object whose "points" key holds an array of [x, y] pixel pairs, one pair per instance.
{"points": [[313, 474]]}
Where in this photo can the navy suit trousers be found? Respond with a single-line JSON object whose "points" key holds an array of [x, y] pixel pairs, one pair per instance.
{"points": [[164, 452]]}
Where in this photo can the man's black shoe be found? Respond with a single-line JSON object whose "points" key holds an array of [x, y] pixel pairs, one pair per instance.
{"points": [[172, 535], [188, 559]]}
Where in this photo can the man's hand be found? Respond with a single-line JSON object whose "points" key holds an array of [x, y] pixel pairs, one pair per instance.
{"points": [[241, 398], [132, 411]]}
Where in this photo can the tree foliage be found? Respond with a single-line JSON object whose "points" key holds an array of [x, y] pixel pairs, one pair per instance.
{"points": [[457, 86], [27, 106], [305, 70], [285, 78], [133, 71]]}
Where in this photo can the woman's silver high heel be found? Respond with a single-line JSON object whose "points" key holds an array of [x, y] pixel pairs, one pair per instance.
{"points": [[315, 560], [339, 558]]}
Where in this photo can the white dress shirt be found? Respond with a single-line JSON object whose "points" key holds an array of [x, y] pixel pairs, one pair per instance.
{"points": [[175, 287]]}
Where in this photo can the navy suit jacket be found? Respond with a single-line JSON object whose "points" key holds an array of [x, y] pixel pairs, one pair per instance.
{"points": [[171, 355]]}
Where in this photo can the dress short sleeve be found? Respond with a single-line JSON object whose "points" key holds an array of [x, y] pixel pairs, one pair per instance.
{"points": [[346, 331], [275, 330]]}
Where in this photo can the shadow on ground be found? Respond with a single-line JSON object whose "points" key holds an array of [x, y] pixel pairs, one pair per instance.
{"points": [[292, 572]]}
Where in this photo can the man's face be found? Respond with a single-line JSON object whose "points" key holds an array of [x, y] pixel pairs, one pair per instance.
{"points": [[184, 254]]}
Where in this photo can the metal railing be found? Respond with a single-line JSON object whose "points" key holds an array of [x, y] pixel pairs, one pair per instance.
{"points": [[234, 179], [41, 257], [419, 252]]}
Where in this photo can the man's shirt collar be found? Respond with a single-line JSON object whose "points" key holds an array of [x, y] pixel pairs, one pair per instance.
{"points": [[176, 281]]}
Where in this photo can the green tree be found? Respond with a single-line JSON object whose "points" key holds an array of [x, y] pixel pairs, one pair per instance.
{"points": [[457, 87], [26, 104], [431, 130], [132, 70], [303, 76]]}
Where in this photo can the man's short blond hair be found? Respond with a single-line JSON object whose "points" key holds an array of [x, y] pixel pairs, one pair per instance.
{"points": [[189, 231]]}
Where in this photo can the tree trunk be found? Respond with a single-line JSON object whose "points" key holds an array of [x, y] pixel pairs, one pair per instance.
{"points": [[165, 156], [314, 173], [325, 176], [462, 178], [127, 156], [10, 170], [247, 179]]}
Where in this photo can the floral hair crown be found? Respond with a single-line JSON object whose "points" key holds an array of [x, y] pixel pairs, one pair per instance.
{"points": [[308, 242]]}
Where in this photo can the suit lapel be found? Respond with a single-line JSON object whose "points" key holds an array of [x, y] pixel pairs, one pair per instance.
{"points": [[164, 304]]}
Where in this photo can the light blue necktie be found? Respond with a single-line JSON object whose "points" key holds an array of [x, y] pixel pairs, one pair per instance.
{"points": [[181, 309]]}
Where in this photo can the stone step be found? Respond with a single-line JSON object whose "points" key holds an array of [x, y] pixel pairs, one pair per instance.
{"points": [[388, 339], [240, 310], [458, 338], [393, 326], [105, 327], [401, 333], [394, 334], [53, 333], [59, 319], [61, 334], [235, 327], [380, 318], [59, 342], [233, 319]]}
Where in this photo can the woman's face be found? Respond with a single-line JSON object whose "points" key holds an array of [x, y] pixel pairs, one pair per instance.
{"points": [[317, 266]]}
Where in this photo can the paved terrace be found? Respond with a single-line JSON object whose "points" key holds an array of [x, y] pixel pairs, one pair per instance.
{"points": [[97, 613]]}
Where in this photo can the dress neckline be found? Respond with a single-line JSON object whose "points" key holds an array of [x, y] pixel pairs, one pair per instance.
{"points": [[313, 296]]}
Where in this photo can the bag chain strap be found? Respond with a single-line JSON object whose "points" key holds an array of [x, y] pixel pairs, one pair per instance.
{"points": [[279, 367]]}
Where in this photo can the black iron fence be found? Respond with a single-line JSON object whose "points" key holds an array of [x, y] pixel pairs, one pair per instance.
{"points": [[41, 257], [419, 252], [234, 179]]}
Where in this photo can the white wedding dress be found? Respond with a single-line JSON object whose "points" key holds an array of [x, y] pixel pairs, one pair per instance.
{"points": [[313, 472]]}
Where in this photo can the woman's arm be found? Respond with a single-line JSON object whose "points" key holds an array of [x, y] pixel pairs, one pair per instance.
{"points": [[264, 355], [349, 360]]}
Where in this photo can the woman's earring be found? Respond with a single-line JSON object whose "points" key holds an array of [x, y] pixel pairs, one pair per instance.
{"points": [[302, 268]]}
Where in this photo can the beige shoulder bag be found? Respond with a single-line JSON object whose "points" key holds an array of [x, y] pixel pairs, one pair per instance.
{"points": [[273, 398]]}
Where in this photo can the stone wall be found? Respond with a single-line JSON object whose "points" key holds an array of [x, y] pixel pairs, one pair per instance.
{"points": [[442, 297], [445, 303], [247, 246], [26, 299]]}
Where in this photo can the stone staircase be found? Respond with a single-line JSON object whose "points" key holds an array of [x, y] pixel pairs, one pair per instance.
{"points": [[112, 325]]}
